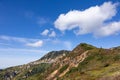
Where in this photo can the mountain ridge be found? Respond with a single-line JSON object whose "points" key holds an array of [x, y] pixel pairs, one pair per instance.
{"points": [[84, 62]]}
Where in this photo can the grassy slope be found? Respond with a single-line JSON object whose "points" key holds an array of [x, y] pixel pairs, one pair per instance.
{"points": [[100, 63]]}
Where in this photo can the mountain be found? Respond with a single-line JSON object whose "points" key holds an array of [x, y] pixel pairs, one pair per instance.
{"points": [[51, 57], [23, 71], [85, 62], [54, 55]]}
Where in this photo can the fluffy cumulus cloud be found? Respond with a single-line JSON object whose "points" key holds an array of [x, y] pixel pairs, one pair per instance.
{"points": [[92, 20], [110, 29], [35, 44], [49, 33], [45, 32], [52, 34]]}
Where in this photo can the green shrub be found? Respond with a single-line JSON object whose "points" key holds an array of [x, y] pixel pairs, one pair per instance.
{"points": [[63, 68], [86, 46], [73, 69], [1, 76], [41, 68], [117, 57]]}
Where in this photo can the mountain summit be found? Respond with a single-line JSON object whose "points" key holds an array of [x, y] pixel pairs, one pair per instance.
{"points": [[85, 62]]}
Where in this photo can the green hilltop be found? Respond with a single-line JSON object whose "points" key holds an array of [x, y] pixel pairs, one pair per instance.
{"points": [[85, 62]]}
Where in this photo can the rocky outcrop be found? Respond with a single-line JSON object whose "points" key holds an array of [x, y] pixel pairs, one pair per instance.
{"points": [[9, 75]]}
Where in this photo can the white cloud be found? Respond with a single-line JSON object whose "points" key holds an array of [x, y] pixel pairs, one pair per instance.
{"points": [[49, 33], [110, 29], [4, 44], [21, 50], [45, 32], [5, 37], [35, 44], [52, 34], [17, 39], [24, 41], [89, 20]]}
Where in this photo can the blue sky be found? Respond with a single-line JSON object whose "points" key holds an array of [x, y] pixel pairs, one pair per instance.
{"points": [[31, 28]]}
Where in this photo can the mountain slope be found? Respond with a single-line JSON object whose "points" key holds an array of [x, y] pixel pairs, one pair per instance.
{"points": [[100, 64], [24, 71], [85, 62]]}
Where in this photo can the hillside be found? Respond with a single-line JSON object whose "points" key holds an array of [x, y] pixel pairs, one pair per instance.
{"points": [[22, 72], [85, 62]]}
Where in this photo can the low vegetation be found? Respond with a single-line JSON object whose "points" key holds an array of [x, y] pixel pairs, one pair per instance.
{"points": [[99, 64]]}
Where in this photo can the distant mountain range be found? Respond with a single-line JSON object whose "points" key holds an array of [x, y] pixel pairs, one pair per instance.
{"points": [[85, 62]]}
